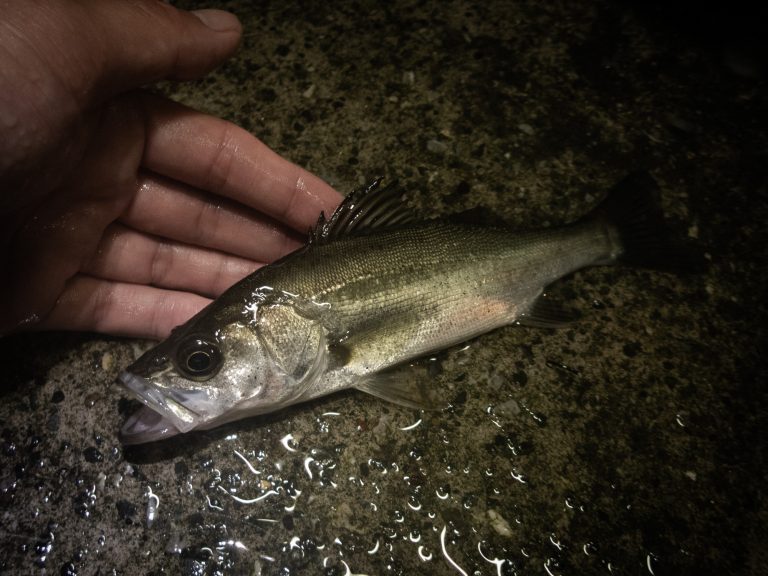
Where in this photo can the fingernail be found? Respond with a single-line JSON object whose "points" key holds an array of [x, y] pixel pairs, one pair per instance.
{"points": [[218, 20]]}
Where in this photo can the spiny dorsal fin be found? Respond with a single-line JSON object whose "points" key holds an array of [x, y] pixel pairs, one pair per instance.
{"points": [[365, 209]]}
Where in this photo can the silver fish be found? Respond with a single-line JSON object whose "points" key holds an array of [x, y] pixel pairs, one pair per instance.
{"points": [[373, 290]]}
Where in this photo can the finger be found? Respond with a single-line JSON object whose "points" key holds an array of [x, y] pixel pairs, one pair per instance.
{"points": [[212, 154], [174, 210], [98, 48], [146, 40], [66, 57], [91, 304], [125, 255], [64, 232]]}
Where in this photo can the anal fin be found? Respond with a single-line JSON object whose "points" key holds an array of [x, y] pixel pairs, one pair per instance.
{"points": [[405, 384], [546, 313]]}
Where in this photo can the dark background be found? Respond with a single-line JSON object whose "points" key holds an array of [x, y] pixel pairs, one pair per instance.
{"points": [[632, 442]]}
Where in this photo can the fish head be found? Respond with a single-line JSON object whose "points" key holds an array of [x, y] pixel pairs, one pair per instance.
{"points": [[209, 372]]}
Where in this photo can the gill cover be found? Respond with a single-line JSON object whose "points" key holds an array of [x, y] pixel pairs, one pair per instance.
{"points": [[294, 334]]}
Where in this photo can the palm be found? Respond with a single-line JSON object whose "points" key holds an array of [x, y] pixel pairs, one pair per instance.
{"points": [[145, 211]]}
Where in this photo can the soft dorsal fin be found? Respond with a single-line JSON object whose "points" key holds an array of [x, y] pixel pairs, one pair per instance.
{"points": [[368, 208]]}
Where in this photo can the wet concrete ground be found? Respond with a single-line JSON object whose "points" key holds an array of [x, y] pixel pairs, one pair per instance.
{"points": [[632, 442]]}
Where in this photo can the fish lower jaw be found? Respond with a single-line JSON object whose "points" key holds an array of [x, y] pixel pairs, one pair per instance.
{"points": [[172, 412], [145, 425]]}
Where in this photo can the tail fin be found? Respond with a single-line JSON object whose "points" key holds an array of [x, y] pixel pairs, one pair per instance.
{"points": [[633, 208]]}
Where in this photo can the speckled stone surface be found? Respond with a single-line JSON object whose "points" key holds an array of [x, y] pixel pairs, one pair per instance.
{"points": [[633, 442]]}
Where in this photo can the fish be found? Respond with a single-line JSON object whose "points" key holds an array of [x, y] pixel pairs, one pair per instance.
{"points": [[375, 289]]}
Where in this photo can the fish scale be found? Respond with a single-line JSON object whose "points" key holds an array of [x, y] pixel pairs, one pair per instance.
{"points": [[429, 287]]}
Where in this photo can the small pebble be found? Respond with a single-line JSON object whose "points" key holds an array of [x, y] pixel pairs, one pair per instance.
{"points": [[526, 129], [107, 361], [499, 524], [437, 147]]}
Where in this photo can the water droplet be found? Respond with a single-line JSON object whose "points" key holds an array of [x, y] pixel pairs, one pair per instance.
{"points": [[448, 558], [9, 448], [650, 559], [91, 400], [551, 566], [153, 503], [555, 542], [84, 501], [92, 455], [375, 548], [517, 476]]}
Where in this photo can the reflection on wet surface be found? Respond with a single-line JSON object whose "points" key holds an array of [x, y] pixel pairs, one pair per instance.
{"points": [[411, 499], [336, 487], [344, 486]]}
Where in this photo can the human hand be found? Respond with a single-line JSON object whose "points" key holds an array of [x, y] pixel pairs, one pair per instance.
{"points": [[126, 213]]}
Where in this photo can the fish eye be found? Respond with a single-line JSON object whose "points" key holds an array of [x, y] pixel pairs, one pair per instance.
{"points": [[198, 359]]}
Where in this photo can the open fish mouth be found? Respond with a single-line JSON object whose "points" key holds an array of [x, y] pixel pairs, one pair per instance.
{"points": [[161, 417], [146, 425]]}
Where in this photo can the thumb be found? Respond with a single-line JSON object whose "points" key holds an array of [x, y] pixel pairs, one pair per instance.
{"points": [[79, 54], [149, 40], [59, 59]]}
